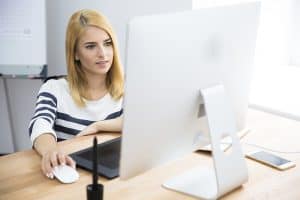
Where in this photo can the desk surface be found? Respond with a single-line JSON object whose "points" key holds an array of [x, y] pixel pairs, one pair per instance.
{"points": [[21, 177]]}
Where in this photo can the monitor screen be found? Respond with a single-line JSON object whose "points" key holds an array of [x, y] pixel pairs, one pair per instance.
{"points": [[170, 57]]}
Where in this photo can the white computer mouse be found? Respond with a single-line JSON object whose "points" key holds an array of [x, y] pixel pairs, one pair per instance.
{"points": [[65, 174]]}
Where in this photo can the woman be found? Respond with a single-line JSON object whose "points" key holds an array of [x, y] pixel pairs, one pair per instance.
{"points": [[89, 100]]}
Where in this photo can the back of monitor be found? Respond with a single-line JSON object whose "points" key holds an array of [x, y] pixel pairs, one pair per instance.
{"points": [[170, 58]]}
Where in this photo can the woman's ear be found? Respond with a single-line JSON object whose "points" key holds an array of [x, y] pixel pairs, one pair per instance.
{"points": [[76, 57]]}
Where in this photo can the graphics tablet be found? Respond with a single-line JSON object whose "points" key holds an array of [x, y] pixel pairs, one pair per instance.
{"points": [[108, 158]]}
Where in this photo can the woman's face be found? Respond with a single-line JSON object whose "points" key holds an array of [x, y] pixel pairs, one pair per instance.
{"points": [[95, 51]]}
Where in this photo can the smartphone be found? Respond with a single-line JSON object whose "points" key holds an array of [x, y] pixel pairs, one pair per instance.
{"points": [[271, 160]]}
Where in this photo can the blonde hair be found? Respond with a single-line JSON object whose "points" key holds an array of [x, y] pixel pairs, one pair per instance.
{"points": [[76, 78]]}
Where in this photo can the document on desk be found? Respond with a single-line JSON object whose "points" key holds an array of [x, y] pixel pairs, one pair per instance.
{"points": [[226, 142]]}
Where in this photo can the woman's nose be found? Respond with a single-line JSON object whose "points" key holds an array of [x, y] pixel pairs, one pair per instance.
{"points": [[101, 51]]}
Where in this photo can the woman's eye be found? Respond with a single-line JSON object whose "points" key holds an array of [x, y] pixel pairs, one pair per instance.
{"points": [[90, 46], [108, 43]]}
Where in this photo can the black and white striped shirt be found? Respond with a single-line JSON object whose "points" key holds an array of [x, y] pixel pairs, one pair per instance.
{"points": [[57, 113]]}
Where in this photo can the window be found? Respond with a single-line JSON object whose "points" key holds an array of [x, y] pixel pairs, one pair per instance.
{"points": [[276, 79]]}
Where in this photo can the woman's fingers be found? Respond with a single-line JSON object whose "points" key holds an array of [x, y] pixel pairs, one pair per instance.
{"points": [[86, 131], [79, 134], [46, 165], [61, 158], [70, 162], [52, 159], [43, 166], [91, 129]]}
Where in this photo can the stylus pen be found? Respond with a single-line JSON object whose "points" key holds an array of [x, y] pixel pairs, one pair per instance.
{"points": [[95, 164], [95, 190]]}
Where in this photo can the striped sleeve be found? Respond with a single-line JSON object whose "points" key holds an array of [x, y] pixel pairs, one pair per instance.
{"points": [[45, 111]]}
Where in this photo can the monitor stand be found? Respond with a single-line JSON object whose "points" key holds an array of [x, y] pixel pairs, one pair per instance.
{"points": [[230, 170]]}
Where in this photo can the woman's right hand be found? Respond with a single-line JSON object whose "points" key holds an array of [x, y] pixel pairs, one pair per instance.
{"points": [[53, 158], [51, 154]]}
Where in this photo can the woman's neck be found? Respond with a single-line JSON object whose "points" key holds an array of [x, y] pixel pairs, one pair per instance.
{"points": [[96, 87]]}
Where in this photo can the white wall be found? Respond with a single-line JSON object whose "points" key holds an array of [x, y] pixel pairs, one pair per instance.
{"points": [[118, 12], [276, 83], [22, 93], [294, 41], [209, 3], [273, 32]]}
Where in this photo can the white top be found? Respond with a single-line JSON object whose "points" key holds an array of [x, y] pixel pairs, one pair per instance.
{"points": [[57, 113]]}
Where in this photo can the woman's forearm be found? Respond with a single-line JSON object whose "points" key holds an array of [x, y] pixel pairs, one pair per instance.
{"points": [[44, 143], [111, 125]]}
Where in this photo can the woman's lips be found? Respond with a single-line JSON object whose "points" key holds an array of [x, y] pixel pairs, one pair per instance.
{"points": [[102, 62]]}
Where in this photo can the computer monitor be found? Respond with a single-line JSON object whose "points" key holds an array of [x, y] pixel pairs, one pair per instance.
{"points": [[170, 57]]}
